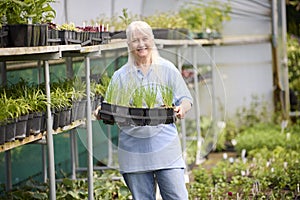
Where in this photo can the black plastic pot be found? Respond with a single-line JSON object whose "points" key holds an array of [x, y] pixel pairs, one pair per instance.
{"points": [[19, 35], [21, 126], [106, 113], [65, 117], [3, 36], [2, 133], [10, 130], [74, 109], [155, 116], [43, 122], [29, 124], [81, 110], [136, 116], [56, 116], [36, 32], [36, 127]]}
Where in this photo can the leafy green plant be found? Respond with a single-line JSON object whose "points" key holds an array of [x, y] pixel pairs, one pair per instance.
{"points": [[14, 108], [20, 12], [266, 135], [125, 17], [293, 52], [60, 99], [77, 89], [201, 16], [101, 88], [170, 20]]}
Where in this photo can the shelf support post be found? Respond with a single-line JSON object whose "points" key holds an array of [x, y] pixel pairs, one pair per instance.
{"points": [[89, 130], [49, 135]]}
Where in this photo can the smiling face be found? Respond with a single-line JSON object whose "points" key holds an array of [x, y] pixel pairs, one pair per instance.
{"points": [[140, 45]]}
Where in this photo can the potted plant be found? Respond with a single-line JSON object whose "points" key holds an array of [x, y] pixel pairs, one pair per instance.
{"points": [[38, 103], [26, 21], [133, 112], [14, 116], [205, 20], [61, 107], [168, 25], [78, 99]]}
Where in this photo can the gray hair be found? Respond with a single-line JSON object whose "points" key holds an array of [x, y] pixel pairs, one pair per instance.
{"points": [[145, 29]]}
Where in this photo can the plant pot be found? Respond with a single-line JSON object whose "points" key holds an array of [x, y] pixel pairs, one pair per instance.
{"points": [[81, 110], [136, 116], [21, 126], [36, 32], [155, 116], [62, 118], [43, 35], [122, 115], [43, 122], [162, 33], [10, 130], [56, 116], [53, 37], [107, 113], [19, 35], [37, 122], [65, 117], [34, 123], [3, 36], [68, 37], [118, 35], [29, 124], [74, 109], [2, 133], [68, 116]]}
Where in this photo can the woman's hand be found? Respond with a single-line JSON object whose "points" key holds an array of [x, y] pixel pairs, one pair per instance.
{"points": [[182, 109], [96, 112]]}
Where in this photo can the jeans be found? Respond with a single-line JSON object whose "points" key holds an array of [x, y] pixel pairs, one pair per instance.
{"points": [[171, 183]]}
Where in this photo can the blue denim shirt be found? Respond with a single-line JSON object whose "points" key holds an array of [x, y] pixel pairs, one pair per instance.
{"points": [[144, 148]]}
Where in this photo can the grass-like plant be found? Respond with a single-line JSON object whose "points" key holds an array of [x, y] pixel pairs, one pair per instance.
{"points": [[101, 88], [150, 94], [167, 95], [137, 97], [111, 93]]}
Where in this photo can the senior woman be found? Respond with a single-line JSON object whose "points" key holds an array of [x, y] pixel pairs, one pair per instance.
{"points": [[150, 155]]}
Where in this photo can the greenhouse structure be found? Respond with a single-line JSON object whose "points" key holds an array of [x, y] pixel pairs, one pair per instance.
{"points": [[245, 63]]}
